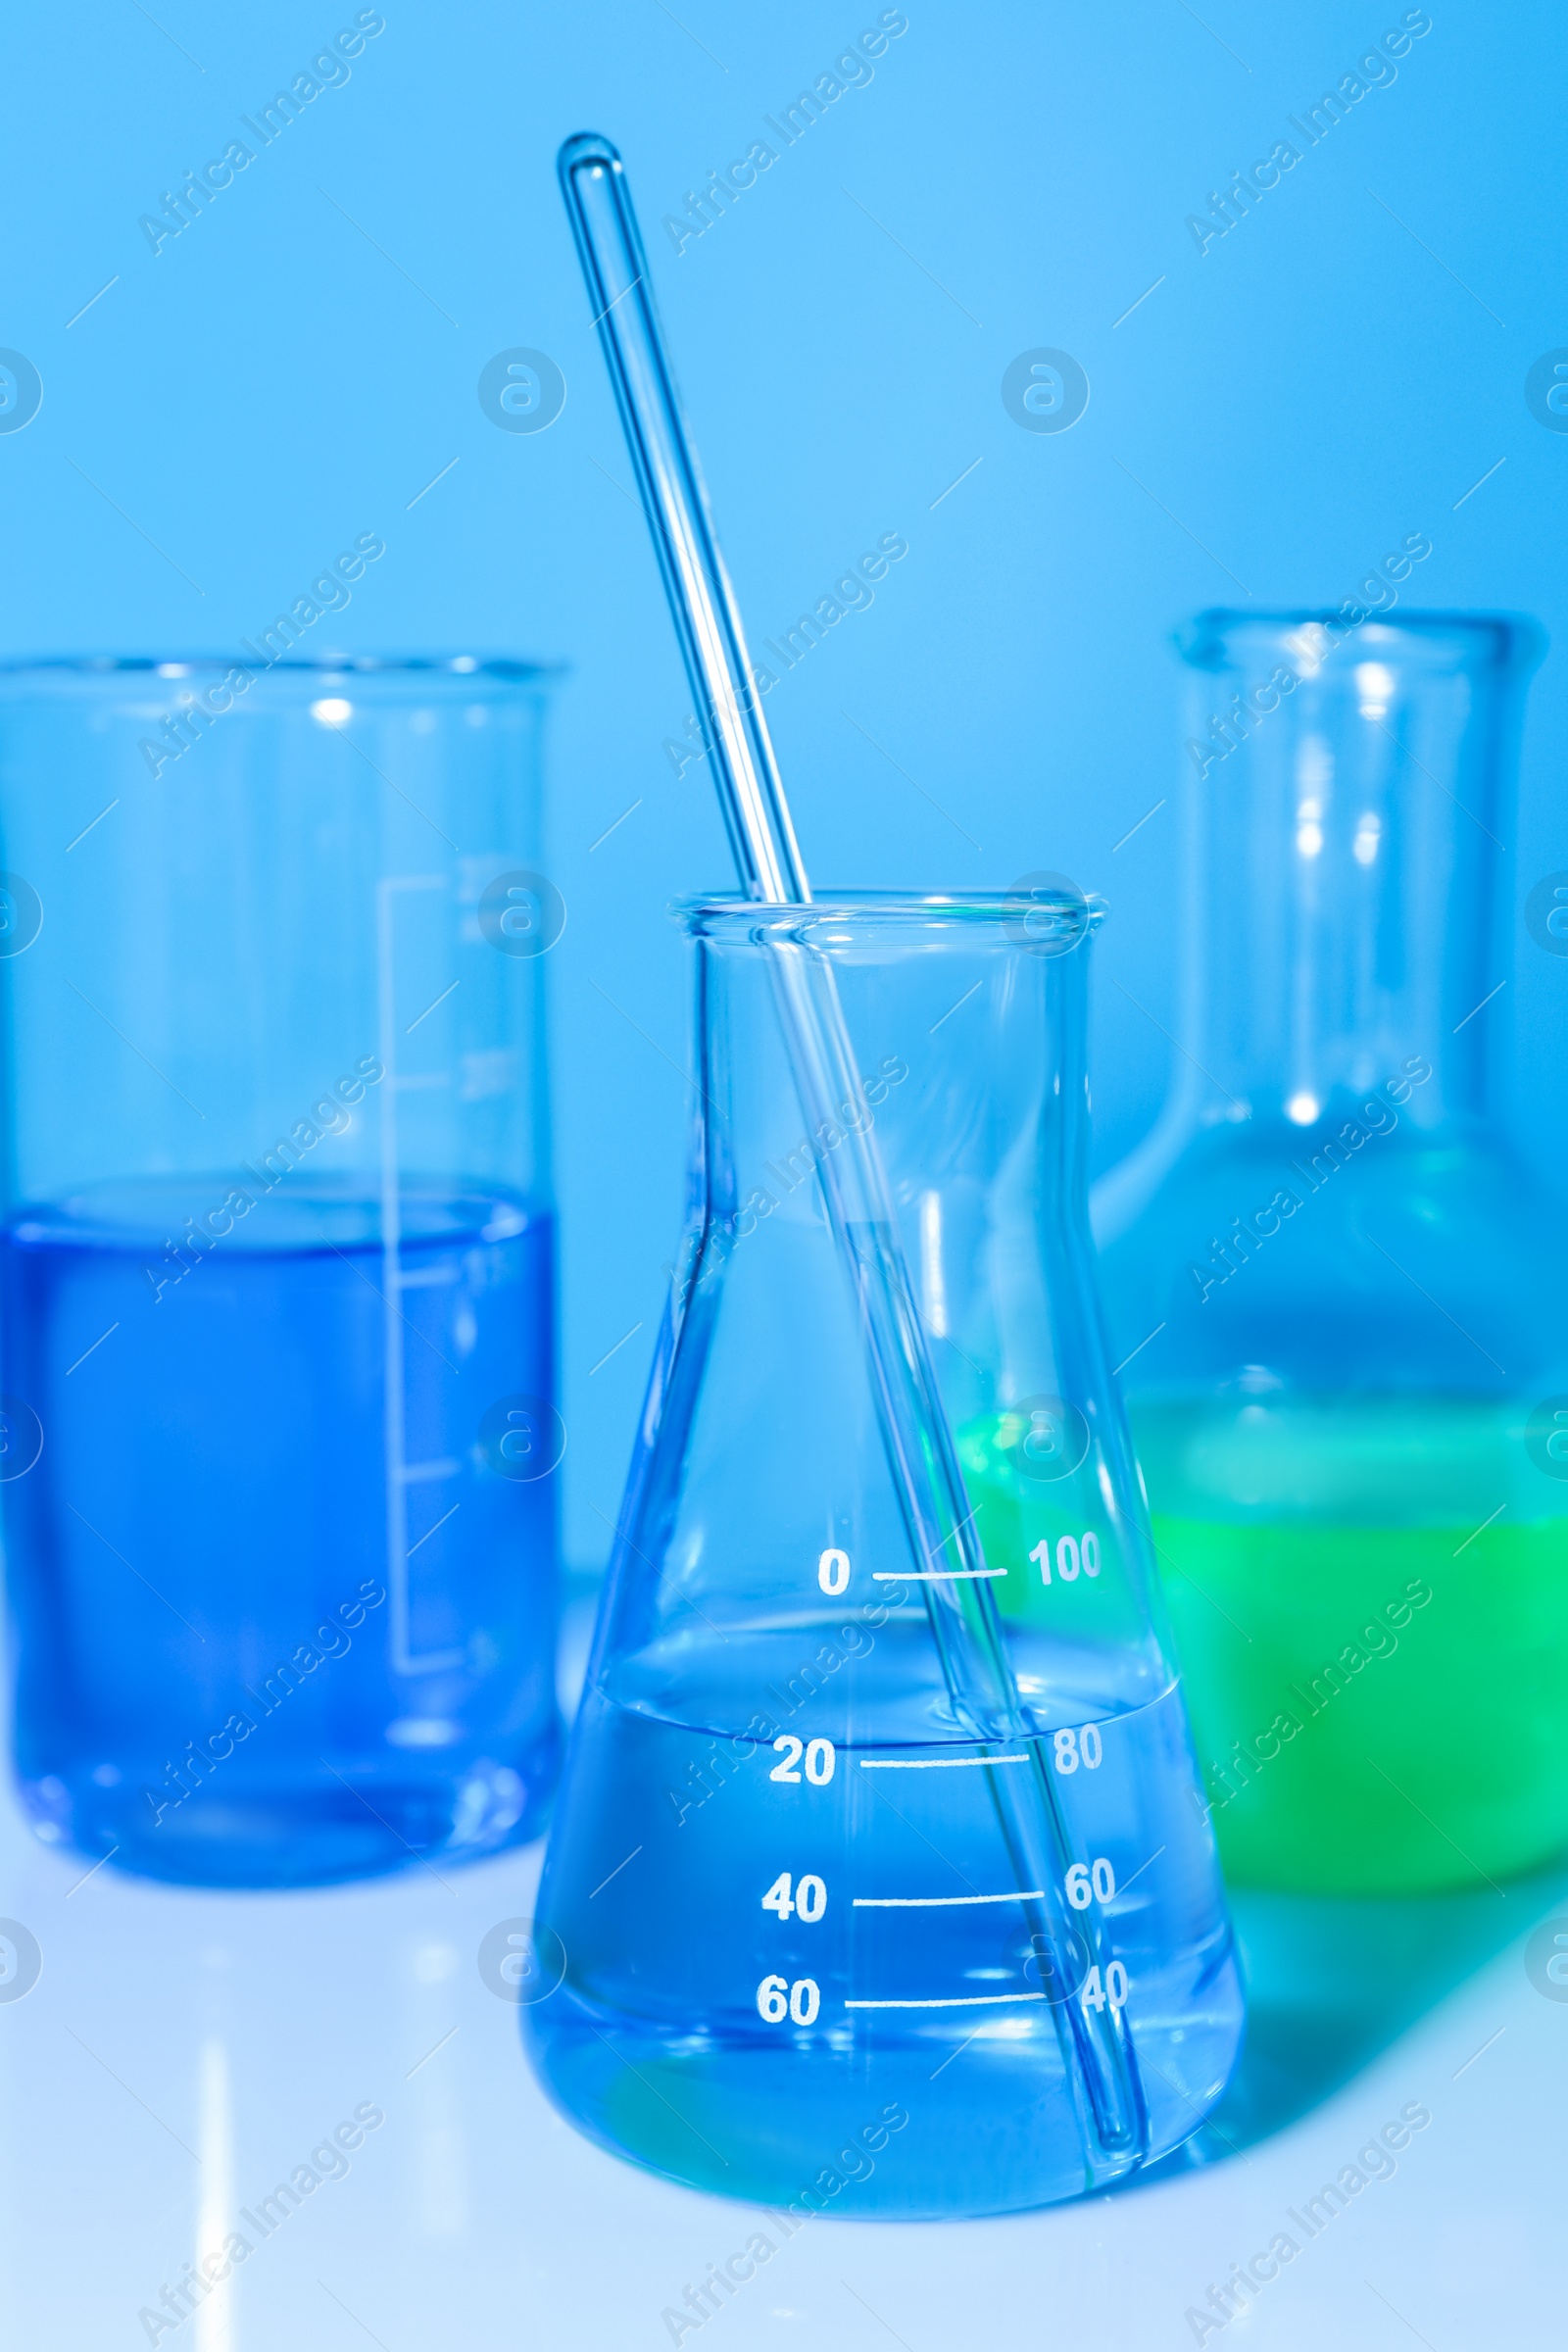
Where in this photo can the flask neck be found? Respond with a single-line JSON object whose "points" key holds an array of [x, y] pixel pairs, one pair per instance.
{"points": [[1343, 845]]}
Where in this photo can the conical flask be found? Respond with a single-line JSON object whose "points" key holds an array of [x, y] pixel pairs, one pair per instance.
{"points": [[791, 1942], [1343, 1289]]}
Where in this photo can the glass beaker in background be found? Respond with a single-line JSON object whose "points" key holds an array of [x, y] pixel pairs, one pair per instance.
{"points": [[1339, 1292], [781, 1926], [276, 1265]]}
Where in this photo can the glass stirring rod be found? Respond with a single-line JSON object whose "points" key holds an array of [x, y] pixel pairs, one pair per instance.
{"points": [[1097, 2047]]}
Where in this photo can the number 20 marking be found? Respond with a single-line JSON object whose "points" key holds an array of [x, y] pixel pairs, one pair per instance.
{"points": [[820, 1760]]}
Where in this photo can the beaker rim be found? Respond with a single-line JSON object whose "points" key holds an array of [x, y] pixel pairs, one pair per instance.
{"points": [[508, 666], [1043, 912], [1500, 641]]}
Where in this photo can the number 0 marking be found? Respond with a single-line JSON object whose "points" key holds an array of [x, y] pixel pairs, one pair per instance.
{"points": [[833, 1572]]}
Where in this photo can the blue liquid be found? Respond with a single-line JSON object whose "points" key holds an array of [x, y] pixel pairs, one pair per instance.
{"points": [[228, 1674], [669, 1836]]}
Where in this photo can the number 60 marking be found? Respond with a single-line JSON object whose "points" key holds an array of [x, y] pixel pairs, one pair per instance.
{"points": [[801, 2000]]}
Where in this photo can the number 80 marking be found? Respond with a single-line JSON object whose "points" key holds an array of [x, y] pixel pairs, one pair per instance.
{"points": [[1081, 1746]]}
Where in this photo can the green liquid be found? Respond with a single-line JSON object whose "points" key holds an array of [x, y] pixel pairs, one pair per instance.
{"points": [[1377, 1681]]}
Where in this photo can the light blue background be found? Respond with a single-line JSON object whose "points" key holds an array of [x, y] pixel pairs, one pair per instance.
{"points": [[1277, 413]]}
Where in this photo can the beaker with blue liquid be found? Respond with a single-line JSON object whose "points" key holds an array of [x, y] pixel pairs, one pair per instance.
{"points": [[798, 1899], [276, 1262]]}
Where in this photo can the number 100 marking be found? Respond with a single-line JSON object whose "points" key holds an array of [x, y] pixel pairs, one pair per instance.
{"points": [[1072, 1555]]}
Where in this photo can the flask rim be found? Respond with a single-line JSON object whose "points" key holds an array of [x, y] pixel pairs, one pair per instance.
{"points": [[1040, 915], [1323, 639], [506, 666]]}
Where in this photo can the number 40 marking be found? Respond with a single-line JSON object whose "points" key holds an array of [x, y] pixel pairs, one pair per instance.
{"points": [[808, 1902]]}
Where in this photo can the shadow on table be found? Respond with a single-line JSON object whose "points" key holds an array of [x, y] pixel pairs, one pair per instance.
{"points": [[1332, 1981]]}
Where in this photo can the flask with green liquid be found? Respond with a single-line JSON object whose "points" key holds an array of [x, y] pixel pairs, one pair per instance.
{"points": [[1336, 1292]]}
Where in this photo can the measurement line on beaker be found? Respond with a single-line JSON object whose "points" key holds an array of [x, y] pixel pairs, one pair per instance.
{"points": [[931, 1763], [938, 1902], [424, 1335], [965, 2001], [388, 889], [932, 1575]]}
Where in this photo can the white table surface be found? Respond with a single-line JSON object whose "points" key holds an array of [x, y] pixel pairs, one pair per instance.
{"points": [[182, 2052]]}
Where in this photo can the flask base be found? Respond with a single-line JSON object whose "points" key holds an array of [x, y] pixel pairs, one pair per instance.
{"points": [[937, 2125]]}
